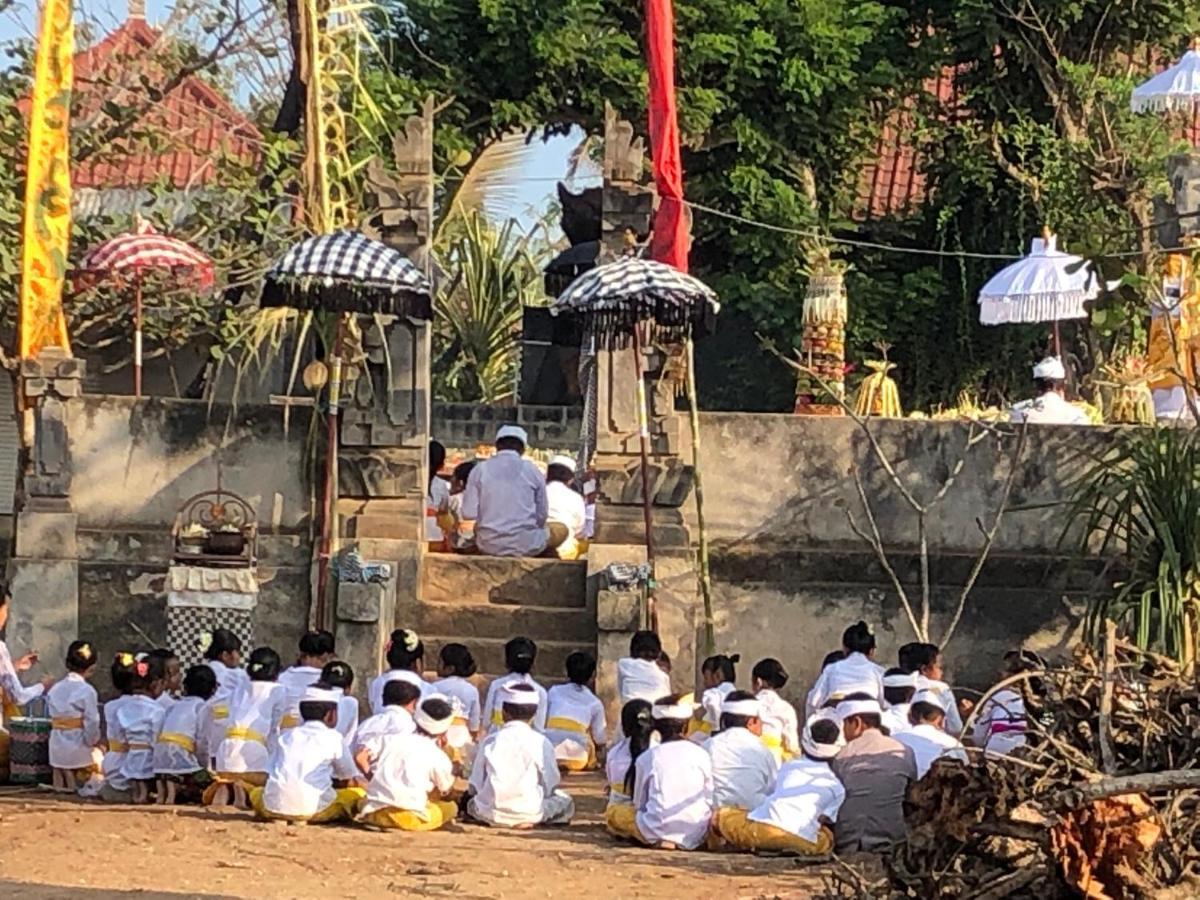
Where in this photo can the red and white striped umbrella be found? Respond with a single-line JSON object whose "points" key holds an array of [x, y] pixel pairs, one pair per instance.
{"points": [[132, 254], [145, 248]]}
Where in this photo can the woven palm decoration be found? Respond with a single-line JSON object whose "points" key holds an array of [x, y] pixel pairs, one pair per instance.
{"points": [[878, 394]]}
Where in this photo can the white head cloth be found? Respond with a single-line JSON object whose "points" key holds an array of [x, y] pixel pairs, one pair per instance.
{"points": [[682, 709], [565, 461], [848, 708], [751, 708], [906, 679], [314, 694], [1051, 368], [429, 724], [929, 697], [821, 751], [519, 694], [513, 431]]}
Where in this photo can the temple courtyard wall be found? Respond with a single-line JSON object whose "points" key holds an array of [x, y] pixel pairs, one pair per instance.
{"points": [[789, 572]]}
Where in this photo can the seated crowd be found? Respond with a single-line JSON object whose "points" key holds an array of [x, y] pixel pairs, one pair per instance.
{"points": [[505, 506], [734, 770]]}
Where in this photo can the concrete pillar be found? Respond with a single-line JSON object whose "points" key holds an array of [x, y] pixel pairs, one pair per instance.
{"points": [[362, 626], [44, 570]]}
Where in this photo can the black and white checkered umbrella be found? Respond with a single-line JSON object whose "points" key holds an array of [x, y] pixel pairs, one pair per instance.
{"points": [[348, 272], [616, 297]]}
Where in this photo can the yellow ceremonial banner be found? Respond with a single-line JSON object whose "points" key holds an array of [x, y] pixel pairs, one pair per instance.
{"points": [[46, 234], [1175, 325]]}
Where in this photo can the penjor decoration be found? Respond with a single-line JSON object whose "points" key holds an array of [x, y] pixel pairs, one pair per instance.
{"points": [[46, 226], [823, 340]]}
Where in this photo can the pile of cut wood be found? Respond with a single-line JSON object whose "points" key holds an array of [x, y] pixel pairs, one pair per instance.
{"points": [[1104, 802]]}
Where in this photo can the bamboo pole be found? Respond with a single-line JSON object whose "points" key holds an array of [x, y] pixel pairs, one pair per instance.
{"points": [[329, 521], [643, 442], [710, 636]]}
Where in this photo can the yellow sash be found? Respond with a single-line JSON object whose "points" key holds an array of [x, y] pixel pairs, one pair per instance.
{"points": [[497, 716], [118, 747], [220, 711], [246, 734], [561, 723], [459, 720], [698, 726], [138, 745], [289, 720], [179, 740], [66, 723]]}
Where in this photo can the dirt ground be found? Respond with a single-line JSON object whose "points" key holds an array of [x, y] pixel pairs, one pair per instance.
{"points": [[52, 847]]}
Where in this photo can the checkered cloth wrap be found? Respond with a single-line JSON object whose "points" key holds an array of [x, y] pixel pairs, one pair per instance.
{"points": [[186, 624], [348, 272], [615, 297]]}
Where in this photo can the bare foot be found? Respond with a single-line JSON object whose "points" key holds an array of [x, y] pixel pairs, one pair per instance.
{"points": [[524, 826], [666, 845]]}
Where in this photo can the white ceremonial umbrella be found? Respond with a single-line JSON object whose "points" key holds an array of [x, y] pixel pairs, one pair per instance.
{"points": [[1172, 90], [1048, 285]]}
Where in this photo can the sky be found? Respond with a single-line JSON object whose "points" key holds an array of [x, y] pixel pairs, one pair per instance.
{"points": [[536, 178]]}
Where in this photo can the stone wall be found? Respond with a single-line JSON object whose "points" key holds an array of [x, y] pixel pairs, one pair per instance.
{"points": [[465, 425], [790, 573], [136, 462]]}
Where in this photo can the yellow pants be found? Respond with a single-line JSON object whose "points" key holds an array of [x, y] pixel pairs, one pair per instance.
{"points": [[437, 814], [740, 832], [621, 821], [343, 807]]}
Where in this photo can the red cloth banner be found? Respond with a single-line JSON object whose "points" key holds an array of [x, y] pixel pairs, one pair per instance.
{"points": [[669, 243]]}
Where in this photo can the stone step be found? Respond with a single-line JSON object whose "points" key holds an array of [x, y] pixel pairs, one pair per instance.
{"points": [[489, 654], [489, 620], [448, 578]]}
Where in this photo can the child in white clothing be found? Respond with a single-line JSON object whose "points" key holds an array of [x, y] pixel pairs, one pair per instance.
{"points": [[780, 725], [136, 726], [251, 732], [181, 753], [743, 767], [618, 763], [75, 721], [639, 676], [405, 657], [457, 666], [719, 676], [224, 656], [514, 782], [121, 674], [400, 699], [855, 673], [519, 656], [339, 676], [316, 650], [575, 717]]}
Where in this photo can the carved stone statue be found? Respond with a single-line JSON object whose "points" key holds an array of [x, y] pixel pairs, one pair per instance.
{"points": [[401, 200]]}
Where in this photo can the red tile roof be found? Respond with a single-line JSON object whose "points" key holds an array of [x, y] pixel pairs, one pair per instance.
{"points": [[197, 123]]}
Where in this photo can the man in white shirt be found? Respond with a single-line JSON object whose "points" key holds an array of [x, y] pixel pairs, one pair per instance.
{"points": [[412, 774], [1050, 407], [506, 498], [567, 507], [799, 814], [515, 777], [743, 768], [927, 737], [304, 765]]}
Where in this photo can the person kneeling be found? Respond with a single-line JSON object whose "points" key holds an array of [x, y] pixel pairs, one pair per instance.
{"points": [[797, 816], [304, 764], [515, 777], [411, 773], [673, 785]]}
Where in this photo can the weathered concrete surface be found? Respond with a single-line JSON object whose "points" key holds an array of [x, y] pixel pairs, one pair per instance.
{"points": [[468, 424], [135, 462], [490, 579]]}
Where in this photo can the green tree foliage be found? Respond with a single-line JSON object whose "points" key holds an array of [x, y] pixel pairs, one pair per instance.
{"points": [[780, 97], [491, 274], [775, 95]]}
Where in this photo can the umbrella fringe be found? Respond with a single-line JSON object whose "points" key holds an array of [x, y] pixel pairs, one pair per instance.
{"points": [[1030, 308], [662, 321], [330, 295]]}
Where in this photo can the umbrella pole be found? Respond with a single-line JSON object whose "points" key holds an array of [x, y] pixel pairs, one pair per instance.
{"points": [[1057, 343], [329, 502], [137, 334], [643, 441], [710, 636]]}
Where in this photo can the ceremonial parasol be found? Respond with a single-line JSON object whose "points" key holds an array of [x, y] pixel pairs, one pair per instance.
{"points": [[1176, 89], [631, 302], [134, 253], [343, 272], [1048, 285]]}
